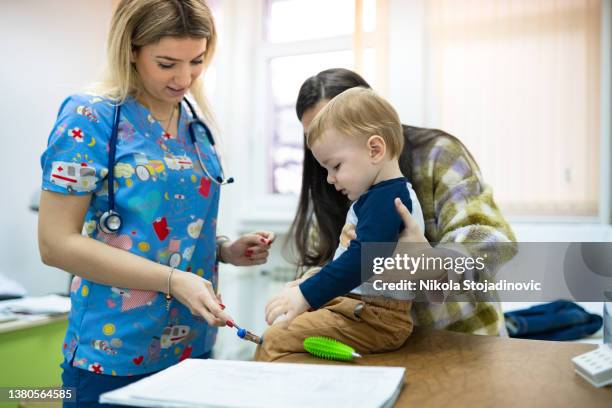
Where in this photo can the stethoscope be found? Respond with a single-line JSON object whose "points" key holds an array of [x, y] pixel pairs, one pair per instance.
{"points": [[110, 222]]}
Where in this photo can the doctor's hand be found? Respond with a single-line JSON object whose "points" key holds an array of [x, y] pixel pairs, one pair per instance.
{"points": [[289, 302], [198, 295], [249, 249]]}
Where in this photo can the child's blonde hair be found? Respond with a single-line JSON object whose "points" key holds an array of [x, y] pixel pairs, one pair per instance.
{"points": [[137, 23], [359, 112]]}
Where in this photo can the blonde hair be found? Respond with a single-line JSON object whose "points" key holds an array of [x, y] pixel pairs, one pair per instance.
{"points": [[137, 23], [359, 112]]}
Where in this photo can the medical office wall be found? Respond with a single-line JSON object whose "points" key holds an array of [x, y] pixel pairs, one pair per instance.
{"points": [[50, 49]]}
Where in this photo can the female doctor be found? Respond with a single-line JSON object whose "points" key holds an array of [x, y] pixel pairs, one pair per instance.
{"points": [[133, 168]]}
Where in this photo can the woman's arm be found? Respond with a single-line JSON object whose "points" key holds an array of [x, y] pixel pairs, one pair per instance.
{"points": [[62, 246]]}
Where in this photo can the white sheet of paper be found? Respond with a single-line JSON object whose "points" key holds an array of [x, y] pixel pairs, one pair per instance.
{"points": [[9, 287], [48, 304], [221, 383]]}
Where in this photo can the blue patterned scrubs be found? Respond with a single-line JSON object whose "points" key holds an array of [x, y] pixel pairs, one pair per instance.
{"points": [[169, 210]]}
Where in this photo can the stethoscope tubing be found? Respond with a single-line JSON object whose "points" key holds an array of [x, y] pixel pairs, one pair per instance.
{"points": [[112, 150], [192, 135]]}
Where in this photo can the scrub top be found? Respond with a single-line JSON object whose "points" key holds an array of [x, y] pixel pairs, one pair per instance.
{"points": [[169, 209]]}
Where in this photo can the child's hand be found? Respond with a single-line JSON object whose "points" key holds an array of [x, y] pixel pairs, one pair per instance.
{"points": [[289, 302], [249, 249], [311, 272]]}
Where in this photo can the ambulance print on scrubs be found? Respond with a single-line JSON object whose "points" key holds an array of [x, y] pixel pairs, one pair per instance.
{"points": [[73, 176], [168, 197]]}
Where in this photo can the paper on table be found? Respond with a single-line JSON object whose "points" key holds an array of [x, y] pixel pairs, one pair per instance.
{"points": [[10, 288], [216, 383], [7, 316], [49, 304]]}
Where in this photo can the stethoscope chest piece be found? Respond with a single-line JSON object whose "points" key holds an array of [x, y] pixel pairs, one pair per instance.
{"points": [[110, 222]]}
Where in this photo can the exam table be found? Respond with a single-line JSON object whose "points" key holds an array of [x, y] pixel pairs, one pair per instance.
{"points": [[445, 368]]}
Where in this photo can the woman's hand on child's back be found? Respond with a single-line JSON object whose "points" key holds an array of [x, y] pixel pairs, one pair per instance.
{"points": [[289, 302], [412, 231]]}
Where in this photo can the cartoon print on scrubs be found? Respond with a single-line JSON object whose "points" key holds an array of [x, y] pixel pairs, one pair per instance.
{"points": [[175, 339], [73, 176], [149, 169], [130, 298], [104, 346], [87, 112], [126, 131], [169, 209]]}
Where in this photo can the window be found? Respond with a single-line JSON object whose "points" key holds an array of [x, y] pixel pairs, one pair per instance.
{"points": [[519, 83], [87, 172], [347, 35]]}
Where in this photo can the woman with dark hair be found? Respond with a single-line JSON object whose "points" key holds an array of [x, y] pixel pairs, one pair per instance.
{"points": [[457, 207]]}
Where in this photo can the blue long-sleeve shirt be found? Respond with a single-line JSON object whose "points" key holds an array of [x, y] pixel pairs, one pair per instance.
{"points": [[378, 221]]}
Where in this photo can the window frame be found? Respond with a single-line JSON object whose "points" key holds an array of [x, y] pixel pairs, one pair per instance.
{"points": [[605, 158], [275, 210]]}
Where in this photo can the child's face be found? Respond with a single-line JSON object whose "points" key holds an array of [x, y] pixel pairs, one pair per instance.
{"points": [[347, 161]]}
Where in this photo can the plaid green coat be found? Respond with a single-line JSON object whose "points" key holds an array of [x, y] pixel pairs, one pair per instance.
{"points": [[458, 207]]}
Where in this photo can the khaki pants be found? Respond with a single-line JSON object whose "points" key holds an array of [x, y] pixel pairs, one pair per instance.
{"points": [[373, 326]]}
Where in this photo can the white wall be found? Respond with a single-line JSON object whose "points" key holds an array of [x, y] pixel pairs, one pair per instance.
{"points": [[49, 50]]}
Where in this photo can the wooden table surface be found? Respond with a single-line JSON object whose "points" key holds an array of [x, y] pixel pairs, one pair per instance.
{"points": [[447, 369]]}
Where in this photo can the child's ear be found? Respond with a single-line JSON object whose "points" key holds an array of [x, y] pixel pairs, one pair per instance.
{"points": [[376, 148]]}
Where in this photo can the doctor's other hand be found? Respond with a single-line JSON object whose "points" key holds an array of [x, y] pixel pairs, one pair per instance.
{"points": [[249, 249], [412, 231], [289, 302], [199, 296]]}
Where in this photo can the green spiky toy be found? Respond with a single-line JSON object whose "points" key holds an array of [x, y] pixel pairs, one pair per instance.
{"points": [[331, 349]]}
